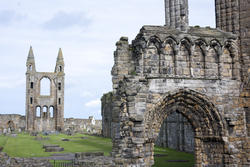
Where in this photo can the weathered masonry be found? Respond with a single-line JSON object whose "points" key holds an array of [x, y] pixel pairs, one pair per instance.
{"points": [[201, 74], [234, 16], [106, 111], [44, 112]]}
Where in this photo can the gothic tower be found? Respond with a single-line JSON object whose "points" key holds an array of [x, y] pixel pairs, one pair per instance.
{"points": [[30, 72], [234, 16], [44, 112], [176, 14]]}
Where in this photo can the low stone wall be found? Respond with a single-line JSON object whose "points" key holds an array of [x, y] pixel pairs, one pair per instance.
{"points": [[100, 161], [11, 122], [6, 161], [90, 125], [93, 160], [17, 123]]}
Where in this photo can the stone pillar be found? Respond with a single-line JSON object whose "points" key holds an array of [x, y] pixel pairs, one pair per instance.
{"points": [[227, 15], [234, 16], [176, 14]]}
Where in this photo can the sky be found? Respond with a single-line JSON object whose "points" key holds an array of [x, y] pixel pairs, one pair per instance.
{"points": [[87, 32]]}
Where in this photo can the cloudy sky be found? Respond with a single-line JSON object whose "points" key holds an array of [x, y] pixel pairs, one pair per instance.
{"points": [[86, 31]]}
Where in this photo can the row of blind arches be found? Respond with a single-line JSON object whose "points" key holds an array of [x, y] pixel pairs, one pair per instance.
{"points": [[45, 111], [172, 57]]}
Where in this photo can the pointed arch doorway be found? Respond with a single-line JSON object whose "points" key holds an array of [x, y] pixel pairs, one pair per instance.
{"points": [[204, 118]]}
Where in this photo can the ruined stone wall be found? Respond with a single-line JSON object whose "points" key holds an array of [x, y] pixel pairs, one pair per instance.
{"points": [[83, 125], [17, 123], [234, 16], [107, 107], [6, 161], [176, 14], [195, 72], [11, 122], [44, 112], [176, 132]]}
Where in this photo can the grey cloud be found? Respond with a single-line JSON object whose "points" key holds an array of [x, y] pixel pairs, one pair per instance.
{"points": [[63, 20]]}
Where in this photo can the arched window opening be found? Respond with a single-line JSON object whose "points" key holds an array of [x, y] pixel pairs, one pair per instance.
{"points": [[59, 86], [30, 67], [199, 16], [38, 111], [31, 85], [31, 100], [11, 126], [60, 68], [45, 87], [45, 109], [59, 100], [51, 112]]}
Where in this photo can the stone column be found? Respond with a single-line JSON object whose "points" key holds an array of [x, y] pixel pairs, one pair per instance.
{"points": [[176, 14]]}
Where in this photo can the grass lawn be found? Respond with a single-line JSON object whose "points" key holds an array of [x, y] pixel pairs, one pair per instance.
{"points": [[172, 155], [25, 145]]}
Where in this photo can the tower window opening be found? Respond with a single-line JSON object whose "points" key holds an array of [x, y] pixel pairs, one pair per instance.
{"points": [[59, 100], [60, 68], [38, 111], [31, 85], [59, 86], [31, 100], [51, 112], [30, 67]]}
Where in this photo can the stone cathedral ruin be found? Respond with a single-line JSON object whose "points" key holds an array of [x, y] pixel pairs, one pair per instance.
{"points": [[179, 86], [44, 112], [194, 77]]}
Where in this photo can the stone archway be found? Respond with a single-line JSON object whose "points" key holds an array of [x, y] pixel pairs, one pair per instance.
{"points": [[201, 113], [11, 126]]}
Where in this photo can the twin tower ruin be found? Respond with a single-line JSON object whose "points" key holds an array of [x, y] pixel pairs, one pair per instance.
{"points": [[44, 112]]}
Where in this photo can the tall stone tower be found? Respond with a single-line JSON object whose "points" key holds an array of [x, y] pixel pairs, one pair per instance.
{"points": [[176, 14], [234, 16], [44, 112]]}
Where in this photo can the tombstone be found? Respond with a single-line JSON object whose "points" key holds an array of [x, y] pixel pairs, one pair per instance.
{"points": [[53, 148], [70, 132], [65, 140], [45, 133], [33, 133]]}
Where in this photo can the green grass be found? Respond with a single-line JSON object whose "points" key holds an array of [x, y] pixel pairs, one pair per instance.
{"points": [[25, 145], [172, 155]]}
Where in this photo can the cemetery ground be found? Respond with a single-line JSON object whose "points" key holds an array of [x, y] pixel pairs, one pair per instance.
{"points": [[24, 145]]}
